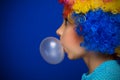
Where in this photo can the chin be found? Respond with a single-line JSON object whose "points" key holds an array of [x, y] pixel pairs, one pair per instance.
{"points": [[72, 57]]}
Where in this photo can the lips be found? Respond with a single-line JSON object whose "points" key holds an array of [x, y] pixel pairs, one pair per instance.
{"points": [[62, 45], [64, 50]]}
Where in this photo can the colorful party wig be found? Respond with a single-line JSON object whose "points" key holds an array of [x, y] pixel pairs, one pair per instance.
{"points": [[98, 21]]}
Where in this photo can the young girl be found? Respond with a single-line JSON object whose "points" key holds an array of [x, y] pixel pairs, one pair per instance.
{"points": [[91, 30]]}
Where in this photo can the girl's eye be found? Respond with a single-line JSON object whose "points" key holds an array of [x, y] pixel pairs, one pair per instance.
{"points": [[66, 21]]}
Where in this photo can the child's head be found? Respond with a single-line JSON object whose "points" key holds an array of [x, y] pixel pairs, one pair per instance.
{"points": [[90, 26]]}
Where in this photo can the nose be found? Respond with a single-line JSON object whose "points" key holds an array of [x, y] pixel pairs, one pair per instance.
{"points": [[60, 30]]}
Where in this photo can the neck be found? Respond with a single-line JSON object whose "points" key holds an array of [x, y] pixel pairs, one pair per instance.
{"points": [[93, 60]]}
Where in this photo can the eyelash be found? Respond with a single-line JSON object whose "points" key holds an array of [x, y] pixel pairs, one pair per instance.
{"points": [[66, 21]]}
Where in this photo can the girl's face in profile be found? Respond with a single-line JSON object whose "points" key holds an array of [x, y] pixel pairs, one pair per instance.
{"points": [[70, 40]]}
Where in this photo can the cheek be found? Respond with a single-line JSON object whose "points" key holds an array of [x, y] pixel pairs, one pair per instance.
{"points": [[71, 43], [70, 38]]}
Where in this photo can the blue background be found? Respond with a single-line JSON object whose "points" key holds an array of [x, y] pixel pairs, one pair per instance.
{"points": [[23, 25]]}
